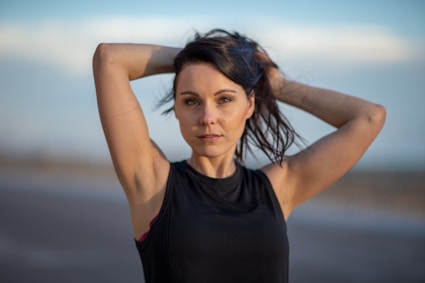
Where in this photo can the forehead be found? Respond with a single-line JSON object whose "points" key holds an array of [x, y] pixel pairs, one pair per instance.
{"points": [[202, 76], [193, 71]]}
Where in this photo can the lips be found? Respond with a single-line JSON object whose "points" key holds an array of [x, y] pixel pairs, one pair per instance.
{"points": [[209, 138]]}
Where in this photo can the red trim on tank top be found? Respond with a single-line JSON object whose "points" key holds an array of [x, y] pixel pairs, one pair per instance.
{"points": [[145, 235]]}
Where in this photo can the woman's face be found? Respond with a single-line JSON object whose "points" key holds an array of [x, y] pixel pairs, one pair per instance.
{"points": [[211, 109]]}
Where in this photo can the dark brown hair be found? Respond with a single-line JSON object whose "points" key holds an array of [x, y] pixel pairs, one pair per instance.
{"points": [[235, 56]]}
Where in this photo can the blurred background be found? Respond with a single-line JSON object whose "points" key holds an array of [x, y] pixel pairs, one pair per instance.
{"points": [[61, 209]]}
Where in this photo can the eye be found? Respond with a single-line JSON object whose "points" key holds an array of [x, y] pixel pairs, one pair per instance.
{"points": [[225, 99], [191, 102]]}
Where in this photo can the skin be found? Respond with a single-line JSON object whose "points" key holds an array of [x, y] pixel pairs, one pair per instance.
{"points": [[208, 103], [212, 111]]}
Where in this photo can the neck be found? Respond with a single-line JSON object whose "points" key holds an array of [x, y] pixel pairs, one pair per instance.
{"points": [[213, 167]]}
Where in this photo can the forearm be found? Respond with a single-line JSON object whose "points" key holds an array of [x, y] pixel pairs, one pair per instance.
{"points": [[136, 60], [333, 107]]}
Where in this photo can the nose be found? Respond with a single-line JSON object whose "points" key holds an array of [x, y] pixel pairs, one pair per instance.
{"points": [[208, 115]]}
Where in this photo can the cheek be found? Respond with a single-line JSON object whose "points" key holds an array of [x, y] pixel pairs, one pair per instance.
{"points": [[185, 121], [181, 111], [235, 123], [179, 114]]}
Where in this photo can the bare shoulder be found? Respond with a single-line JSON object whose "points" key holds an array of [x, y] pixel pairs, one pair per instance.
{"points": [[149, 183], [280, 179], [146, 200]]}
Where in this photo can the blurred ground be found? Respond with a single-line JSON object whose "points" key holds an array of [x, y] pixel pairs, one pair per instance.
{"points": [[70, 223]]}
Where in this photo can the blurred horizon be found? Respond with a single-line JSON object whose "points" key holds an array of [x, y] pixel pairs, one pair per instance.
{"points": [[371, 49]]}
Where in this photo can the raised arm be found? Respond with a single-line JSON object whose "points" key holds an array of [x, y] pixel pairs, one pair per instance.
{"points": [[139, 163], [305, 174]]}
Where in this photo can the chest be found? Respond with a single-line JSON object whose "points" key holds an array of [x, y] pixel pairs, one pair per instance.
{"points": [[209, 225]]}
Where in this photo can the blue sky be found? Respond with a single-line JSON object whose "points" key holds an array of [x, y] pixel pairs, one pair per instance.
{"points": [[371, 49]]}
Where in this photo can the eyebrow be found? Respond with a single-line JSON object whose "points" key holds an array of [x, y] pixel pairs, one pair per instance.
{"points": [[188, 92]]}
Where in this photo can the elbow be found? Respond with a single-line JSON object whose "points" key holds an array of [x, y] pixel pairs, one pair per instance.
{"points": [[101, 55], [377, 116]]}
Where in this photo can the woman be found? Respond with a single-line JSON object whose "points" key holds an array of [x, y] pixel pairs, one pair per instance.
{"points": [[208, 218]]}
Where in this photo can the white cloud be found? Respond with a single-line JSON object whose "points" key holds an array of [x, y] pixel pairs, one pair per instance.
{"points": [[71, 44], [349, 44]]}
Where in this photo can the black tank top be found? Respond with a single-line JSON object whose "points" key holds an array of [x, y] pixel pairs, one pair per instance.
{"points": [[216, 230]]}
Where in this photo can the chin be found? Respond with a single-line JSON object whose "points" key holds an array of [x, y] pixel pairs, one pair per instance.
{"points": [[209, 151]]}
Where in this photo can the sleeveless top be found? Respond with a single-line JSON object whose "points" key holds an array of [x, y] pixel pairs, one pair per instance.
{"points": [[216, 230]]}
